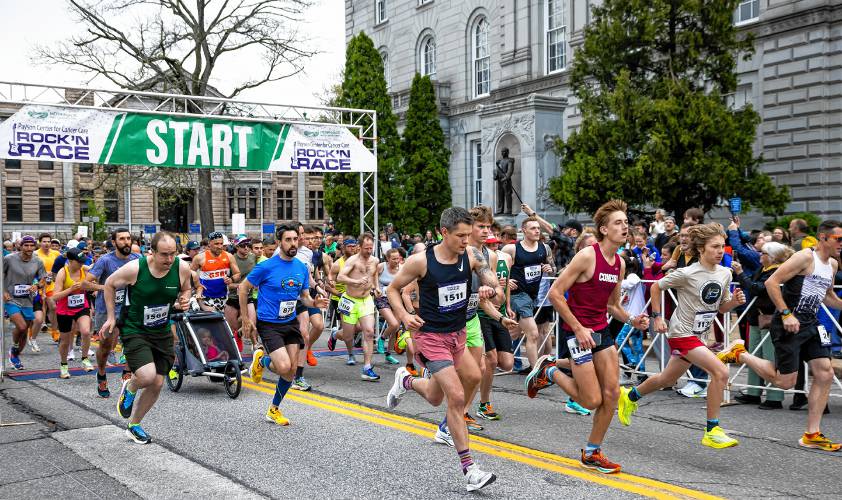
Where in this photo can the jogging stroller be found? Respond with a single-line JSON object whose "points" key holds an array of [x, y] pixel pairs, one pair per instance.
{"points": [[206, 348]]}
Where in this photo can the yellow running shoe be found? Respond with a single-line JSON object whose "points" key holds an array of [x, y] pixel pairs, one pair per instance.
{"points": [[819, 442], [625, 406], [275, 415], [716, 438], [256, 369], [732, 354]]}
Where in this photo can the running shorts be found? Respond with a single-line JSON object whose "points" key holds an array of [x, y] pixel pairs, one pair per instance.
{"points": [[495, 336], [603, 339], [382, 302], [353, 308], [141, 349], [791, 349], [522, 305], [680, 346], [65, 321], [473, 332], [27, 312], [437, 351], [275, 336]]}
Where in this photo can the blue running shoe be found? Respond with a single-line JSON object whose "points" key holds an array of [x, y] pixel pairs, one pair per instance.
{"points": [[369, 375], [381, 346], [15, 360], [351, 360], [391, 359], [575, 408], [126, 400], [137, 434]]}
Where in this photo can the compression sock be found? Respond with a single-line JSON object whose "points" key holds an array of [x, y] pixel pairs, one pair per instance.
{"points": [[265, 361], [591, 448], [634, 395], [712, 423], [443, 424], [281, 390], [299, 372], [407, 382], [466, 460], [549, 373]]}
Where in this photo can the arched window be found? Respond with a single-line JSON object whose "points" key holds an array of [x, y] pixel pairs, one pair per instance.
{"points": [[481, 58], [428, 57], [555, 39], [387, 72], [379, 11]]}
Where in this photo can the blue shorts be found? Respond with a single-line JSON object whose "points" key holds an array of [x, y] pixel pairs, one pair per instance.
{"points": [[27, 312], [314, 310], [523, 305]]}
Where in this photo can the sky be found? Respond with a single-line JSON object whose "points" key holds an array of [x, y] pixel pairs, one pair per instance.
{"points": [[29, 23]]}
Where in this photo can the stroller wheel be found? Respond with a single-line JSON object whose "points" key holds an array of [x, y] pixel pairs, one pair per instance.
{"points": [[176, 375], [233, 379]]}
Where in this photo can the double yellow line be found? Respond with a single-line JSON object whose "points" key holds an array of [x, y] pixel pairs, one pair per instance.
{"points": [[535, 458]]}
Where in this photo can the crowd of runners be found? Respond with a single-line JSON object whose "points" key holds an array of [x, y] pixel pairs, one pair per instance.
{"points": [[472, 302]]}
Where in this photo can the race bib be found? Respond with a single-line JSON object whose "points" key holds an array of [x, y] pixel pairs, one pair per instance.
{"points": [[286, 308], [75, 301], [346, 305], [824, 336], [473, 303], [452, 296], [702, 321], [120, 296], [155, 316], [532, 273], [21, 290], [580, 356]]}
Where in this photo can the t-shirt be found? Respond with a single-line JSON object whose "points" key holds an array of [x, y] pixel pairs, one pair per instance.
{"points": [[48, 260], [280, 282], [245, 266], [700, 293], [103, 268], [18, 276]]}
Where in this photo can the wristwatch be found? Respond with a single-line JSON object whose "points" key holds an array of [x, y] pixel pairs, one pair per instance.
{"points": [[784, 313], [656, 314]]}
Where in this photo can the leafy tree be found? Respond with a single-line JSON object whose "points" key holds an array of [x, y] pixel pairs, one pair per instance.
{"points": [[426, 181], [651, 80], [364, 87], [100, 230]]}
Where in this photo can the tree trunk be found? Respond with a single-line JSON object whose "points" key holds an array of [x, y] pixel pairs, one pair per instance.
{"points": [[205, 201]]}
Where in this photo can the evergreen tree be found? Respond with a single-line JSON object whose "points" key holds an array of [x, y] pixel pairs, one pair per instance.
{"points": [[651, 80], [425, 188], [364, 87]]}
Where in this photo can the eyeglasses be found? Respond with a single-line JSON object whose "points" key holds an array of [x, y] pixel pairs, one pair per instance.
{"points": [[836, 237]]}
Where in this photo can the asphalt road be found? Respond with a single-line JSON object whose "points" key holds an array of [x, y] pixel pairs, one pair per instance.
{"points": [[344, 443]]}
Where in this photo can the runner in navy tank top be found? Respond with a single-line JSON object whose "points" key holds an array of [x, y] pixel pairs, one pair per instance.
{"points": [[438, 331], [593, 280]]}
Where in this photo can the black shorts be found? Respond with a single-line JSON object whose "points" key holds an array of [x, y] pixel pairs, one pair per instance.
{"points": [[275, 336], [495, 335], [37, 306], [791, 349], [141, 349], [382, 302], [300, 308], [235, 302], [606, 340], [65, 322], [544, 315]]}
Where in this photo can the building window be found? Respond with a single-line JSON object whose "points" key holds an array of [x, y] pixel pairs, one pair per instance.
{"points": [[85, 196], [45, 165], [86, 168], [379, 11], [110, 169], [285, 202], [111, 203], [317, 205], [747, 10], [424, 2], [482, 61], [12, 164], [476, 166], [428, 57], [14, 204], [556, 34], [740, 98], [387, 73], [46, 204]]}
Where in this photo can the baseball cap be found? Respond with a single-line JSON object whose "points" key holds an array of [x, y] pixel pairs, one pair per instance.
{"points": [[192, 245], [27, 239], [82, 245], [77, 255], [57, 242], [492, 240], [573, 224], [244, 240]]}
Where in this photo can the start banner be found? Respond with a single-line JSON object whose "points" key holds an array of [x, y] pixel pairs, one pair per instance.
{"points": [[116, 137]]}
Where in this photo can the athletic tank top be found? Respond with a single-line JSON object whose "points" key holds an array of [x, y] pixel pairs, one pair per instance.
{"points": [[473, 298], [74, 302], [386, 277], [526, 268], [588, 301], [149, 301], [245, 266], [317, 259], [443, 294], [805, 294], [213, 273], [340, 287]]}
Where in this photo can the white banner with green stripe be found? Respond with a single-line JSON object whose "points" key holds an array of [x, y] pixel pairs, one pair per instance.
{"points": [[113, 137]]}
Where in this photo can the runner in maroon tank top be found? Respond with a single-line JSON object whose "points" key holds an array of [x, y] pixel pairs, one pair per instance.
{"points": [[593, 280]]}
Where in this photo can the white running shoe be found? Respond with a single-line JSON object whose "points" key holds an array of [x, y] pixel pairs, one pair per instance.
{"points": [[33, 345], [690, 389], [444, 437], [91, 352], [397, 390], [478, 479], [71, 354]]}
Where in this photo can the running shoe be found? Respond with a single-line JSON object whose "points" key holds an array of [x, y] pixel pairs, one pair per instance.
{"points": [[487, 412], [537, 378], [478, 479], [400, 342], [819, 442], [55, 334], [599, 463], [358, 339], [369, 375], [625, 406], [397, 390], [274, 415], [351, 360], [64, 372], [125, 401], [381, 346], [471, 423], [411, 369], [311, 358], [391, 359], [102, 386], [87, 365], [331, 341], [91, 352], [137, 434], [256, 368], [15, 360], [573, 407], [690, 389], [443, 436], [702, 394], [732, 354], [301, 384], [716, 438], [71, 354], [33, 345], [112, 359], [126, 375], [122, 359]]}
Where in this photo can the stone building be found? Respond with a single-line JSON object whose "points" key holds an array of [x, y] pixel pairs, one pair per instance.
{"points": [[502, 80]]}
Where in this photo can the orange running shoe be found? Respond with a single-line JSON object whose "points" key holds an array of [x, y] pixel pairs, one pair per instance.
{"points": [[56, 335], [599, 463], [537, 378], [411, 369], [732, 353], [311, 359], [819, 442]]}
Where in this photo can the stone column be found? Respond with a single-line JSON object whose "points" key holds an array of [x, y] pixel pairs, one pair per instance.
{"points": [[68, 192]]}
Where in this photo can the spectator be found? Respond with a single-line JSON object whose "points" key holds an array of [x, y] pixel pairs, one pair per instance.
{"points": [[694, 216], [748, 255], [508, 235], [798, 233], [393, 236], [641, 248], [658, 226], [669, 231], [781, 235], [8, 248], [385, 243]]}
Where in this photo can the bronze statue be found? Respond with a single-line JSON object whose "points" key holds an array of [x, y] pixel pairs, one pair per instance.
{"points": [[503, 175]]}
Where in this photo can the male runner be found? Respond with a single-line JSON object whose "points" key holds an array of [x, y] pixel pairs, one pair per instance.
{"points": [[311, 321], [217, 271], [807, 278], [244, 261], [23, 276], [102, 270], [283, 281], [444, 273], [356, 305], [154, 284], [349, 248], [386, 272], [48, 256], [593, 280]]}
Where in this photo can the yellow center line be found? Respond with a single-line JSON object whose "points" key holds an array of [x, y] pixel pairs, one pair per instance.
{"points": [[528, 456]]}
